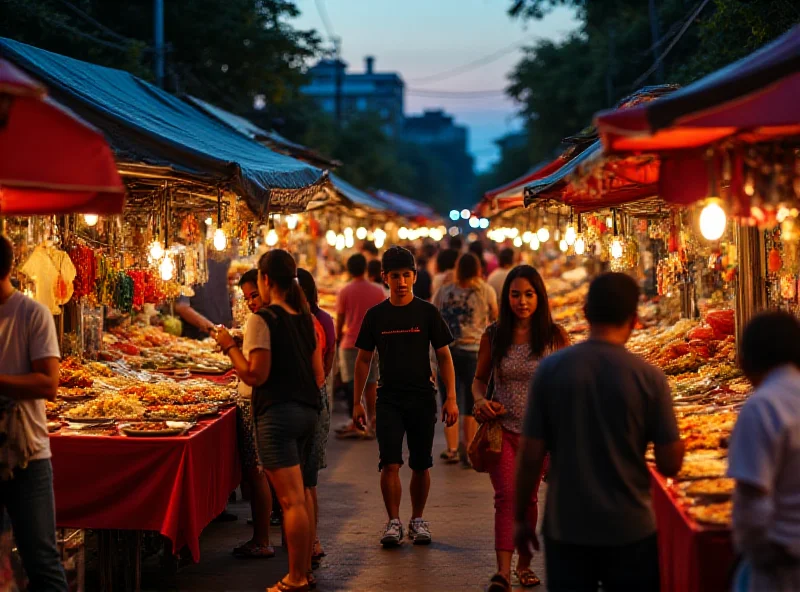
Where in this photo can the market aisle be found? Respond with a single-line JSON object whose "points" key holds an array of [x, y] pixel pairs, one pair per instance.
{"points": [[460, 511]]}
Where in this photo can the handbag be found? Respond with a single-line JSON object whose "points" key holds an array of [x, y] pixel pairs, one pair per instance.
{"points": [[485, 448]]}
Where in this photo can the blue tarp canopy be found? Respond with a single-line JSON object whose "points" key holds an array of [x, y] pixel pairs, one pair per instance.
{"points": [[146, 125], [405, 206], [273, 139], [355, 195]]}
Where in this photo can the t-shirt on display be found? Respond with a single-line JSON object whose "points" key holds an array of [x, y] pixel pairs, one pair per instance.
{"points": [[402, 336], [597, 406]]}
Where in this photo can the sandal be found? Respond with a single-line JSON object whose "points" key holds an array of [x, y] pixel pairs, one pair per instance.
{"points": [[527, 578], [282, 586], [498, 584], [450, 457], [252, 550]]}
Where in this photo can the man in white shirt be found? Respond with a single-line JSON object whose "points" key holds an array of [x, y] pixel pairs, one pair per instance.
{"points": [[29, 362], [497, 278], [764, 457]]}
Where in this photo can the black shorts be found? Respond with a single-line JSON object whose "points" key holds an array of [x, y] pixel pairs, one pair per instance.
{"points": [[412, 416], [285, 436]]}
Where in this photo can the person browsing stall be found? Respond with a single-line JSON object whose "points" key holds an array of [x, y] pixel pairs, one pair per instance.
{"points": [[402, 329]]}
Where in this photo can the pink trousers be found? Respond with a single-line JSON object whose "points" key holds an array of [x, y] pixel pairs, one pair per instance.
{"points": [[503, 482]]}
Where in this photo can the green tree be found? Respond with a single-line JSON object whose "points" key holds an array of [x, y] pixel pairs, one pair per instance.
{"points": [[225, 52]]}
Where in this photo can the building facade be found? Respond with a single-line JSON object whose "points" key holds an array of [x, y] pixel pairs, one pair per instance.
{"points": [[346, 94]]}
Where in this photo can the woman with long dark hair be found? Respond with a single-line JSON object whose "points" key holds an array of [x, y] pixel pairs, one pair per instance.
{"points": [[509, 353], [286, 373]]}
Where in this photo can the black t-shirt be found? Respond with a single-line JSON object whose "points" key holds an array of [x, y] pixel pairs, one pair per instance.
{"points": [[403, 335], [422, 287]]}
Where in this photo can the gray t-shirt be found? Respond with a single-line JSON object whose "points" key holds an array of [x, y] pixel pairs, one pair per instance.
{"points": [[27, 334], [765, 452], [597, 406]]}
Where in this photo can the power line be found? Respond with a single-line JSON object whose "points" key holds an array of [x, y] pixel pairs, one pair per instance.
{"points": [[97, 23], [463, 69], [674, 42], [326, 19]]}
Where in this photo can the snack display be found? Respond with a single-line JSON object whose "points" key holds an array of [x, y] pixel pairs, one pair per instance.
{"points": [[154, 429]]}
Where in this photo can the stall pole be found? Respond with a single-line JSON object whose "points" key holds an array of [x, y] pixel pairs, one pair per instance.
{"points": [[751, 292]]}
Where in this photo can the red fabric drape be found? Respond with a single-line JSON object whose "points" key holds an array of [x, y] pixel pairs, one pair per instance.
{"points": [[175, 486]]}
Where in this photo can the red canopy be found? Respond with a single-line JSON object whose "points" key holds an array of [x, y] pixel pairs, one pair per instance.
{"points": [[755, 98], [52, 161]]}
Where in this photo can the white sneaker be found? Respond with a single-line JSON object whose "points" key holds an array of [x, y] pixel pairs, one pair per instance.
{"points": [[393, 535], [419, 531]]}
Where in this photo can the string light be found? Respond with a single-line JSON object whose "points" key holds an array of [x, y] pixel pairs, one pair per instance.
{"points": [[518, 242], [349, 241], [535, 244], [361, 233], [562, 244], [474, 222], [340, 242], [272, 238], [402, 233], [379, 240], [330, 238], [543, 235], [167, 268], [220, 240], [713, 221], [483, 223], [91, 219], [291, 221], [454, 215], [465, 214], [580, 246], [570, 235]]}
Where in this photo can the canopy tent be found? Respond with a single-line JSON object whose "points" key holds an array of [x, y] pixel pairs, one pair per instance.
{"points": [[356, 196], [405, 206], [53, 162], [511, 194], [146, 125], [272, 139], [755, 99]]}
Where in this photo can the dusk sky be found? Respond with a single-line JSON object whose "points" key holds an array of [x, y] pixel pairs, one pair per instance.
{"points": [[423, 38]]}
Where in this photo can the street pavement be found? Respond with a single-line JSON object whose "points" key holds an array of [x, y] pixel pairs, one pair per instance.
{"points": [[460, 510]]}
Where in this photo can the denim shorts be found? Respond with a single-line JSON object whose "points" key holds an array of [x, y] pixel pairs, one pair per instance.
{"points": [[285, 435]]}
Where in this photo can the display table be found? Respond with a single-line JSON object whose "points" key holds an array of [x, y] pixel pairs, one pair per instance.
{"points": [[173, 485], [692, 558]]}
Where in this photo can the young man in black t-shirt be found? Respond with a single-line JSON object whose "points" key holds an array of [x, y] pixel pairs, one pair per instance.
{"points": [[402, 329]]}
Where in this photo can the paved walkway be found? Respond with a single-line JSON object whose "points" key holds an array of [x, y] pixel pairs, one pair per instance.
{"points": [[460, 510]]}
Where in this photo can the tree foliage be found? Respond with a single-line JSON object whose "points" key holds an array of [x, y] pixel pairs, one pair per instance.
{"points": [[560, 85]]}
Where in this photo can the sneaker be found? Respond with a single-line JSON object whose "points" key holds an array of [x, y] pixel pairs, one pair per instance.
{"points": [[419, 531], [393, 535]]}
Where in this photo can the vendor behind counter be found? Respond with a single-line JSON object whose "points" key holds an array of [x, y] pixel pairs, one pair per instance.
{"points": [[211, 303]]}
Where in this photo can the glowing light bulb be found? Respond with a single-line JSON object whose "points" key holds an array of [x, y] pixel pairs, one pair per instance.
{"points": [[209, 221], [527, 236], [167, 268], [340, 242], [379, 240], [474, 222], [453, 231], [330, 237], [543, 234], [562, 244], [402, 233], [349, 241], [569, 235], [380, 233], [291, 221], [91, 219], [609, 222], [348, 231], [580, 246], [465, 214], [616, 248], [513, 232], [156, 251], [518, 242], [220, 240], [361, 233], [535, 244], [484, 223], [424, 232], [272, 238], [454, 215], [713, 221], [436, 234]]}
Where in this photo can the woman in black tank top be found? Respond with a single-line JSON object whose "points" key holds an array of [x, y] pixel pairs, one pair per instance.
{"points": [[282, 369]]}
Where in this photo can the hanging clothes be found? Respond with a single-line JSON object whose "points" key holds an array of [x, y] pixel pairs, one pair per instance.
{"points": [[52, 272]]}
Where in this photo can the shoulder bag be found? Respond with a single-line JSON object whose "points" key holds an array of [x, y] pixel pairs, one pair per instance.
{"points": [[484, 450]]}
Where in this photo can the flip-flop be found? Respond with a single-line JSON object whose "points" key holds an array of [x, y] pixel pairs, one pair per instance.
{"points": [[282, 586]]}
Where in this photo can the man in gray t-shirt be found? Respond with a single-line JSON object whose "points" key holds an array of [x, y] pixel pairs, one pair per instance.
{"points": [[595, 407]]}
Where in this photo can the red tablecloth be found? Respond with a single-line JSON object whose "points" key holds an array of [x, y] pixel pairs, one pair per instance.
{"points": [[692, 558], [175, 486]]}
